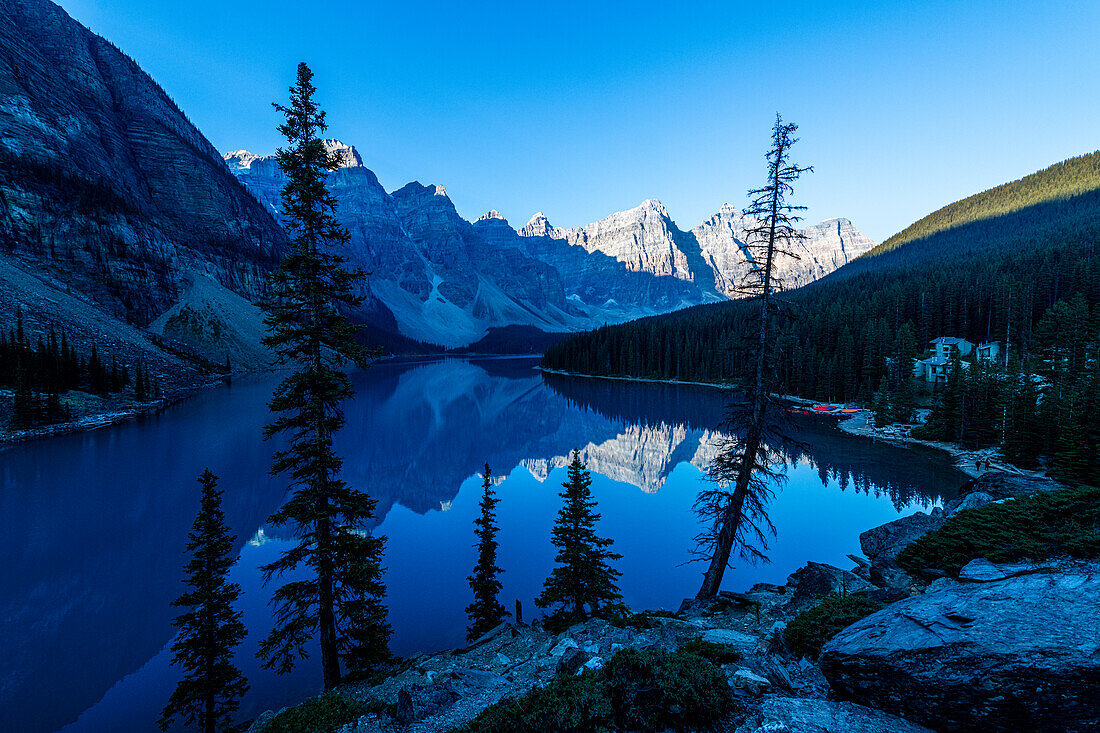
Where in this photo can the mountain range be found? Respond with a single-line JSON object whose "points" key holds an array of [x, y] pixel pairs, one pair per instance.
{"points": [[448, 281], [121, 224]]}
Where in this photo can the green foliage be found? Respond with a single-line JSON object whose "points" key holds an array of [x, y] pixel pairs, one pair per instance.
{"points": [[1063, 180], [1036, 527], [322, 714], [209, 629], [340, 601], [636, 690], [717, 653], [582, 580], [810, 630], [485, 612]]}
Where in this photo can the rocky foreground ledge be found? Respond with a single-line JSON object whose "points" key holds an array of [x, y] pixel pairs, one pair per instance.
{"points": [[1011, 646]]}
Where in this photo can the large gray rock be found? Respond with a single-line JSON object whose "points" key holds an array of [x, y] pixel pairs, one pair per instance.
{"points": [[1017, 653], [801, 715], [882, 545], [815, 579], [886, 541]]}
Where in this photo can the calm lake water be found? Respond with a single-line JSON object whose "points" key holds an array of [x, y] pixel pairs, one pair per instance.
{"points": [[92, 526]]}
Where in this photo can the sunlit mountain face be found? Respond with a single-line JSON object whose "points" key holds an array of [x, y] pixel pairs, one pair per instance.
{"points": [[88, 545]]}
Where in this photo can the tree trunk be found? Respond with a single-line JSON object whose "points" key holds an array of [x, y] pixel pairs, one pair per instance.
{"points": [[733, 516]]}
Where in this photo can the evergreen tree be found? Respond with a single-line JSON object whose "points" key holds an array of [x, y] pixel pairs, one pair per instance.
{"points": [[210, 628], [341, 600], [733, 508], [881, 406], [485, 612], [583, 580]]}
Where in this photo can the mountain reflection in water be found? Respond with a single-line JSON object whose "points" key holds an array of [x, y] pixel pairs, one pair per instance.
{"points": [[93, 525]]}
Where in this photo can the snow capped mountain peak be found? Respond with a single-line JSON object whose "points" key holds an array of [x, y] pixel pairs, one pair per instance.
{"points": [[348, 153], [240, 159], [447, 280], [491, 214], [538, 226]]}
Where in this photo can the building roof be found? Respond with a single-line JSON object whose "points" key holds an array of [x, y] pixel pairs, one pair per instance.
{"points": [[987, 344], [949, 340]]}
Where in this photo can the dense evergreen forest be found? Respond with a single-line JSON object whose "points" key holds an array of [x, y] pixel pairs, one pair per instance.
{"points": [[39, 373], [1016, 264]]}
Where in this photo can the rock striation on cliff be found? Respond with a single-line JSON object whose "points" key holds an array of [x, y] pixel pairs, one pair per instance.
{"points": [[105, 182]]}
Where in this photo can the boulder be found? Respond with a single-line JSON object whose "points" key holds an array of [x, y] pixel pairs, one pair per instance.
{"points": [[749, 681], [572, 661], [1008, 486], [882, 545], [885, 542], [816, 579], [416, 702], [970, 501], [728, 636], [802, 715], [1021, 652]]}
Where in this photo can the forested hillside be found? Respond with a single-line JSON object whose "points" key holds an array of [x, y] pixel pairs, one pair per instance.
{"points": [[990, 267]]}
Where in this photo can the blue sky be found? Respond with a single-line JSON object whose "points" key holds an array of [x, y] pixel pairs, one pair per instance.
{"points": [[582, 109]]}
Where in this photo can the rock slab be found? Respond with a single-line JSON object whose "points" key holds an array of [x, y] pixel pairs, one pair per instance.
{"points": [[1017, 653]]}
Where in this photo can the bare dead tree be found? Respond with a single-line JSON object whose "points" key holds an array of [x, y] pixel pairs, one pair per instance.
{"points": [[743, 473]]}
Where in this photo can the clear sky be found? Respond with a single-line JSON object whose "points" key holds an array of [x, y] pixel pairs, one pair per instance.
{"points": [[581, 109]]}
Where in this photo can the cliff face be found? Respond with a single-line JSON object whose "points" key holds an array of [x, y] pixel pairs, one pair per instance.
{"points": [[105, 184], [436, 276]]}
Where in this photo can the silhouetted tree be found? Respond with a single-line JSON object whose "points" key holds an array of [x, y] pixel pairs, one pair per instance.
{"points": [[341, 601], [583, 580], [485, 612], [733, 509], [210, 628]]}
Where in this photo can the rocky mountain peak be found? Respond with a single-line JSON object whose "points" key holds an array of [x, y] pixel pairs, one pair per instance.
{"points": [[240, 159], [491, 214], [537, 226], [653, 205], [348, 153]]}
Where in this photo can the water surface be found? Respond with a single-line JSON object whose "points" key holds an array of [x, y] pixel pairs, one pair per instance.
{"points": [[92, 525]]}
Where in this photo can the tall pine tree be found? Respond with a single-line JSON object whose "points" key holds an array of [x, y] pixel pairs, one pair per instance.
{"points": [[485, 612], [341, 600], [210, 628], [733, 509], [583, 581]]}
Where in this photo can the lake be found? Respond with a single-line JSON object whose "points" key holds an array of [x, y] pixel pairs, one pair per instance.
{"points": [[93, 525]]}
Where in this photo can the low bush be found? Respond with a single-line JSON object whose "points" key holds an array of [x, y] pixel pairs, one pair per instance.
{"points": [[717, 653], [322, 714], [1036, 527], [810, 630], [636, 690]]}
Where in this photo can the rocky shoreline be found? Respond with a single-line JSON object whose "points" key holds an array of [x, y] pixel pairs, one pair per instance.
{"points": [[124, 411], [980, 647]]}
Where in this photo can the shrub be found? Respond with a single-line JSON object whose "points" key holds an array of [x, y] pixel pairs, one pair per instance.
{"points": [[561, 620], [658, 690], [808, 631], [622, 617], [636, 690], [322, 714], [1036, 527], [717, 653]]}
